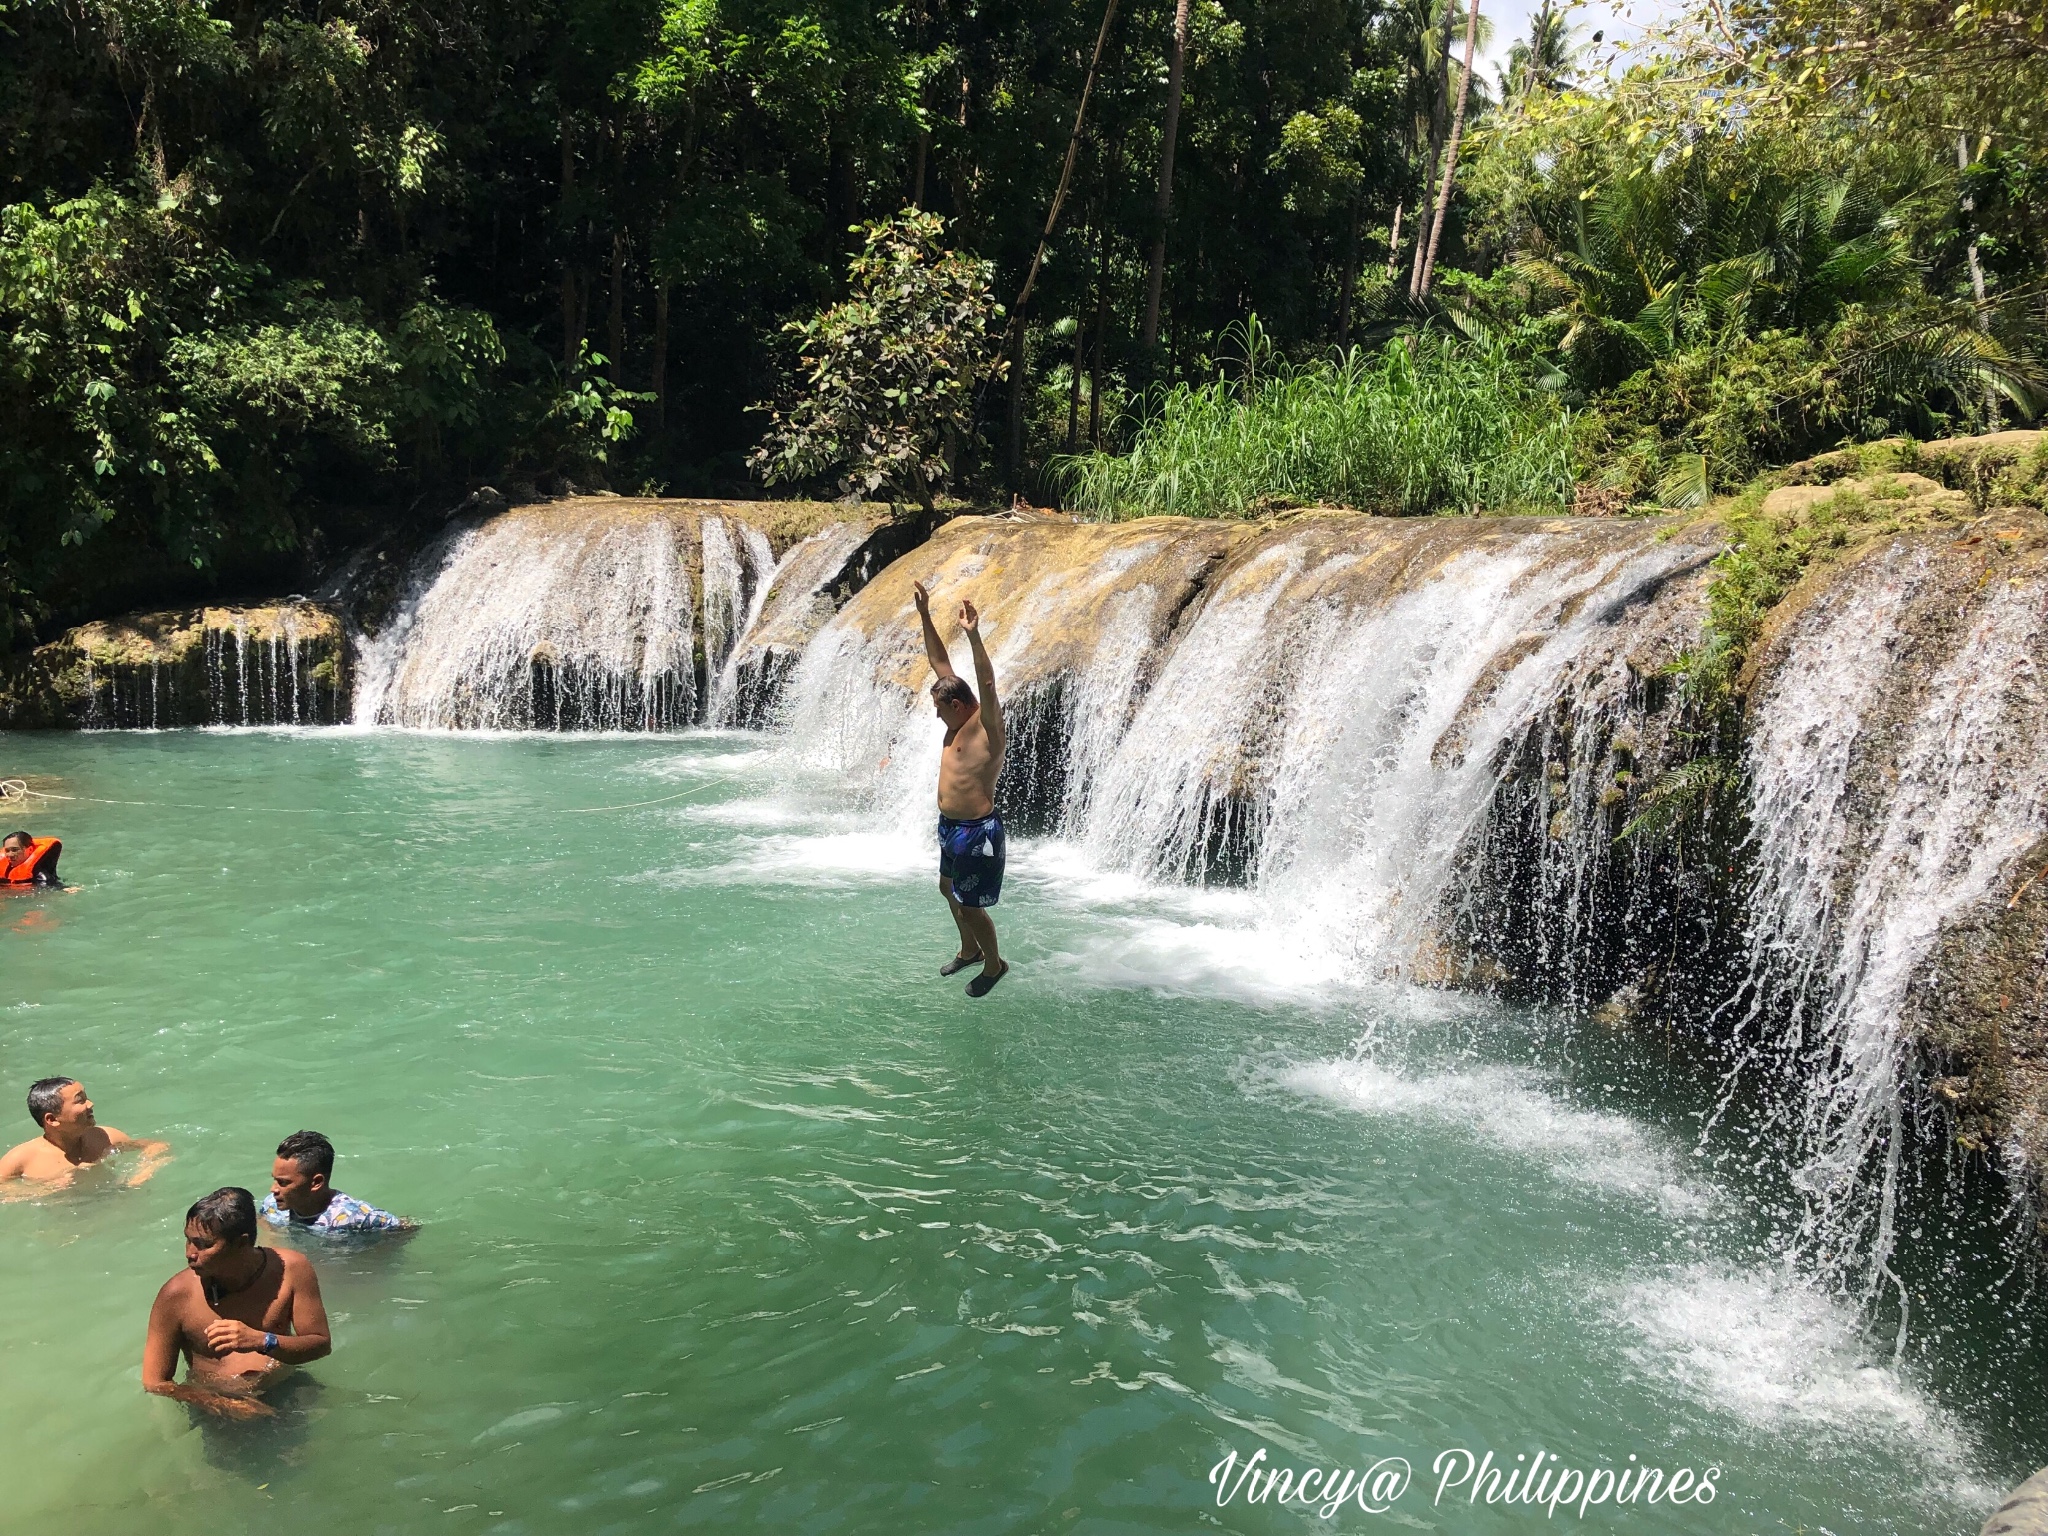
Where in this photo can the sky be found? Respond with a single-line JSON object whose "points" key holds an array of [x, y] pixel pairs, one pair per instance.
{"points": [[1621, 20]]}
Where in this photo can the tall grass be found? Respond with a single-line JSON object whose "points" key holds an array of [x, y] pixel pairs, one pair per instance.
{"points": [[1453, 426]]}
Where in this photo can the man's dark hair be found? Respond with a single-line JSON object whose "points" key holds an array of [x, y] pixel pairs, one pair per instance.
{"points": [[10, 837], [313, 1152], [227, 1212], [46, 1097], [953, 690]]}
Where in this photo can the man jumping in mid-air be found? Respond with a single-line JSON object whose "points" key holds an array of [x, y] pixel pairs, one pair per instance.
{"points": [[971, 847]]}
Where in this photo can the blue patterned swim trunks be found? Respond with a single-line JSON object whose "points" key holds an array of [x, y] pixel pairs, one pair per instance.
{"points": [[971, 855]]}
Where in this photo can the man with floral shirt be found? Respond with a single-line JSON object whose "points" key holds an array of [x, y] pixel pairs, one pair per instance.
{"points": [[301, 1199]]}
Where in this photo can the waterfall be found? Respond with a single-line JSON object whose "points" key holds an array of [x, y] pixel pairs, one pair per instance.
{"points": [[792, 601], [1326, 717], [280, 665], [1899, 755], [726, 706], [725, 598], [562, 618]]}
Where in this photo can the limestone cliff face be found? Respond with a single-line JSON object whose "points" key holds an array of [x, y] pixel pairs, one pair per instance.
{"points": [[282, 664]]}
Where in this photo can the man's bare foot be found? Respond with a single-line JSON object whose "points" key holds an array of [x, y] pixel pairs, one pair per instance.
{"points": [[959, 963], [983, 984]]}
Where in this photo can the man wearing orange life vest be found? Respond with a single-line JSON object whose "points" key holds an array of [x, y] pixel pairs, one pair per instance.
{"points": [[72, 1139], [26, 860]]}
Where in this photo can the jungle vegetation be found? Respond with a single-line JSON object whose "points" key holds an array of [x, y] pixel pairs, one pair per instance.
{"points": [[275, 279]]}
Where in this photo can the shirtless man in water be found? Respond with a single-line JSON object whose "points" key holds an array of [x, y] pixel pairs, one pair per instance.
{"points": [[237, 1312], [971, 843], [72, 1139]]}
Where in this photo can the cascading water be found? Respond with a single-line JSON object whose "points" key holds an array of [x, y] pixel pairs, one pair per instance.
{"points": [[1899, 756], [280, 665], [1328, 719], [725, 597], [757, 580], [792, 601], [544, 618]]}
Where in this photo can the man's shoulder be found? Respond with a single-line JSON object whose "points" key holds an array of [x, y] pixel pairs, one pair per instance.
{"points": [[182, 1286], [295, 1263], [18, 1155]]}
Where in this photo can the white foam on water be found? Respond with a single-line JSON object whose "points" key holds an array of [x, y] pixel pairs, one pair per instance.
{"points": [[814, 858], [1184, 958], [1778, 1356], [1512, 1110]]}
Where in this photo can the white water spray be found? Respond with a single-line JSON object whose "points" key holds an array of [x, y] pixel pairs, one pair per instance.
{"points": [[1891, 797]]}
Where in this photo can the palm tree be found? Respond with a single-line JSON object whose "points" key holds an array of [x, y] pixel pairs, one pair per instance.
{"points": [[1675, 260], [1543, 61], [1425, 38]]}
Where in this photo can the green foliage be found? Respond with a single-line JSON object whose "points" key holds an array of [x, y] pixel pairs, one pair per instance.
{"points": [[155, 400], [889, 375], [1683, 800], [1729, 291], [1432, 426], [279, 278]]}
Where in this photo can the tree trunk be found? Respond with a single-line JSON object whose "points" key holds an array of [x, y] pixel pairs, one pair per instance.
{"points": [[1350, 282], [1013, 433], [1435, 135], [1074, 384], [1014, 456], [572, 335], [660, 380], [1394, 243], [1162, 208], [1443, 196], [1101, 325], [1992, 420], [924, 144], [615, 327]]}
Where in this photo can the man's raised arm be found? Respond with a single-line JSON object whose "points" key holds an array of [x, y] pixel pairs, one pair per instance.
{"points": [[984, 678], [934, 648]]}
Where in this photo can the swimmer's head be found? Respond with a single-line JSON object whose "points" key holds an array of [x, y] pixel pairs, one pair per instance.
{"points": [[220, 1226], [953, 701], [300, 1174], [59, 1104], [15, 843]]}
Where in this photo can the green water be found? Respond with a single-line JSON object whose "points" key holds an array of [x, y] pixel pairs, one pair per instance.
{"points": [[737, 1216]]}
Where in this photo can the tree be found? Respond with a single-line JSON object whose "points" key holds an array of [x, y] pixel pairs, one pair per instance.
{"points": [[1443, 197], [889, 374], [1155, 275]]}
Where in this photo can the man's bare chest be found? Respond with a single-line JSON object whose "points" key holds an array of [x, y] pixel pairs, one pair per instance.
{"points": [[267, 1307]]}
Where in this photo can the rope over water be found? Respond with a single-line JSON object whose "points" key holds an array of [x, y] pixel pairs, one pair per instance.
{"points": [[17, 792]]}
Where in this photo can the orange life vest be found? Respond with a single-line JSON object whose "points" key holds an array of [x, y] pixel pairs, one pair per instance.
{"points": [[41, 857]]}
